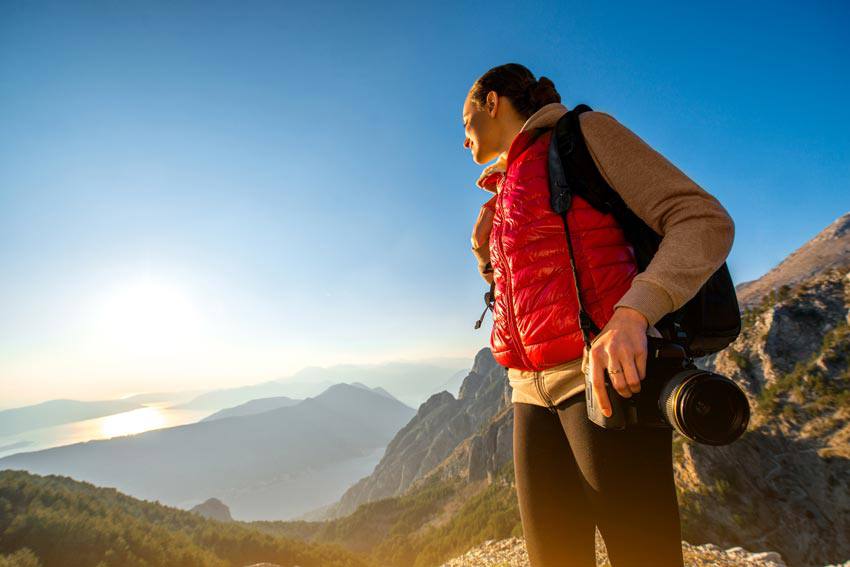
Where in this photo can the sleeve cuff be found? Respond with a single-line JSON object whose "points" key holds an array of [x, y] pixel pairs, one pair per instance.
{"points": [[650, 299], [482, 255]]}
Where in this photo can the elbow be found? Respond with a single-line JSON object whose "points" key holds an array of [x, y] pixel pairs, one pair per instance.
{"points": [[730, 233], [724, 228]]}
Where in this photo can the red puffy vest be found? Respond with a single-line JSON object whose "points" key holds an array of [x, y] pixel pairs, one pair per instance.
{"points": [[535, 312]]}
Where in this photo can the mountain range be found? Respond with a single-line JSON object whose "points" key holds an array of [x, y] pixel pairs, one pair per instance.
{"points": [[274, 464]]}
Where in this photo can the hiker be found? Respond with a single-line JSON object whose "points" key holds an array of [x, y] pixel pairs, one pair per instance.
{"points": [[571, 474]]}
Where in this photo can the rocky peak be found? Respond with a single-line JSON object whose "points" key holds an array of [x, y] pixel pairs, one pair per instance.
{"points": [[214, 509], [838, 229], [484, 362], [829, 249], [435, 401]]}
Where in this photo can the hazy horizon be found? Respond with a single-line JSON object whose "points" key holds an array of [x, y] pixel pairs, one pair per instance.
{"points": [[448, 364]]}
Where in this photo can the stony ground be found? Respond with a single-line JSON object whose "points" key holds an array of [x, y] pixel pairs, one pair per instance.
{"points": [[511, 553]]}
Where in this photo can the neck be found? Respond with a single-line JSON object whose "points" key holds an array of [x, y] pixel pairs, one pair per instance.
{"points": [[513, 126]]}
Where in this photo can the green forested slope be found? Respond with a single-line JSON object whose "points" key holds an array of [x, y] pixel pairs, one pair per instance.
{"points": [[66, 522]]}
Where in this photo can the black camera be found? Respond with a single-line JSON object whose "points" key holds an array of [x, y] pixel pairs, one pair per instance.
{"points": [[703, 406]]}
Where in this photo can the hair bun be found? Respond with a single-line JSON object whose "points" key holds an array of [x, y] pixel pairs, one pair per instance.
{"points": [[518, 84], [543, 91], [532, 89]]}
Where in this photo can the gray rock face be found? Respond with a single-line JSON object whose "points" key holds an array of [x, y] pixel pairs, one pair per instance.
{"points": [[439, 426], [784, 332], [783, 485]]}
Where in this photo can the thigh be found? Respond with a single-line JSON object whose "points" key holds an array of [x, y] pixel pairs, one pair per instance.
{"points": [[629, 480], [556, 516]]}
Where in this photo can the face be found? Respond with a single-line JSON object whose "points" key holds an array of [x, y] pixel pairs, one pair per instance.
{"points": [[480, 128]]}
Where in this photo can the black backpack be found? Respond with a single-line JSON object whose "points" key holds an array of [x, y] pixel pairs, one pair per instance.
{"points": [[707, 323]]}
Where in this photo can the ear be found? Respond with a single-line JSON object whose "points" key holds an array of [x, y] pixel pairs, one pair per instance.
{"points": [[492, 104]]}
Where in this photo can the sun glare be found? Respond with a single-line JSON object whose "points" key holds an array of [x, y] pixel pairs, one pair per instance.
{"points": [[147, 317], [132, 422]]}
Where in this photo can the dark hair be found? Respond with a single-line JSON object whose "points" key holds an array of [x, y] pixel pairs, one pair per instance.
{"points": [[516, 82]]}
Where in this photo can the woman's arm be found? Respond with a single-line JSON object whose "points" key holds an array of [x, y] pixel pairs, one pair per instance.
{"points": [[697, 231], [697, 234]]}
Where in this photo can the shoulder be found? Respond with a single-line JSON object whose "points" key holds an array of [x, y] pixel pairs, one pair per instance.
{"points": [[607, 137], [598, 122], [594, 116]]}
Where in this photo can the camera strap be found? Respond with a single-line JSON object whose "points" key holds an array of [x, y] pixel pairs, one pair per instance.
{"points": [[585, 320], [561, 199]]}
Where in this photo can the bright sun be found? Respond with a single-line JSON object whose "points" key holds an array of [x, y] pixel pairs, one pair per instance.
{"points": [[147, 317]]}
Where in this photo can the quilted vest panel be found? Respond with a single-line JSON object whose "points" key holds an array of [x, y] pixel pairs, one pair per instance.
{"points": [[535, 312]]}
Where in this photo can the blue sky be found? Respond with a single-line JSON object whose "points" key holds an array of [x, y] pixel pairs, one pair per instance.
{"points": [[202, 194]]}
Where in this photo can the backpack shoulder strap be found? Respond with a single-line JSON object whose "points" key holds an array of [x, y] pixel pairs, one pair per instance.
{"points": [[588, 182], [585, 177], [710, 320]]}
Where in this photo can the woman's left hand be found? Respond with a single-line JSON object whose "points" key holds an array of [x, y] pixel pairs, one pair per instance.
{"points": [[621, 344]]}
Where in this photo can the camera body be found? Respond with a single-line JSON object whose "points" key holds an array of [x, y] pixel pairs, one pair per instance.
{"points": [[664, 360], [701, 405]]}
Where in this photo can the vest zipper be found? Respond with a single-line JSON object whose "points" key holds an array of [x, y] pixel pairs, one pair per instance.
{"points": [[508, 297], [508, 286]]}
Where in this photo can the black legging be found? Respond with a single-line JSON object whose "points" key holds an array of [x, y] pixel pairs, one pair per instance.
{"points": [[572, 475]]}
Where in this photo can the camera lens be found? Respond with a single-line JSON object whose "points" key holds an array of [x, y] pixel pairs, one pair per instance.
{"points": [[705, 407]]}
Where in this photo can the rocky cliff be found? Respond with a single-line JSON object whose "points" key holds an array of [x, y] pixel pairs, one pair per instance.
{"points": [[783, 485], [441, 424]]}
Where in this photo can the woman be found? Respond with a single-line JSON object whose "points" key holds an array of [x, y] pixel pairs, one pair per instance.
{"points": [[572, 475]]}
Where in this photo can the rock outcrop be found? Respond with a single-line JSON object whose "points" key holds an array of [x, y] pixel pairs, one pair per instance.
{"points": [[783, 485]]}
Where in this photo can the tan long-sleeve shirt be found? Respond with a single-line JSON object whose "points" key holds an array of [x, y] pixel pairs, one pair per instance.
{"points": [[697, 234]]}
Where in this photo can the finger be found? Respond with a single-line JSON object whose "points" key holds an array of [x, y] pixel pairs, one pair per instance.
{"points": [[597, 367], [631, 374], [617, 379], [640, 363], [640, 359]]}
